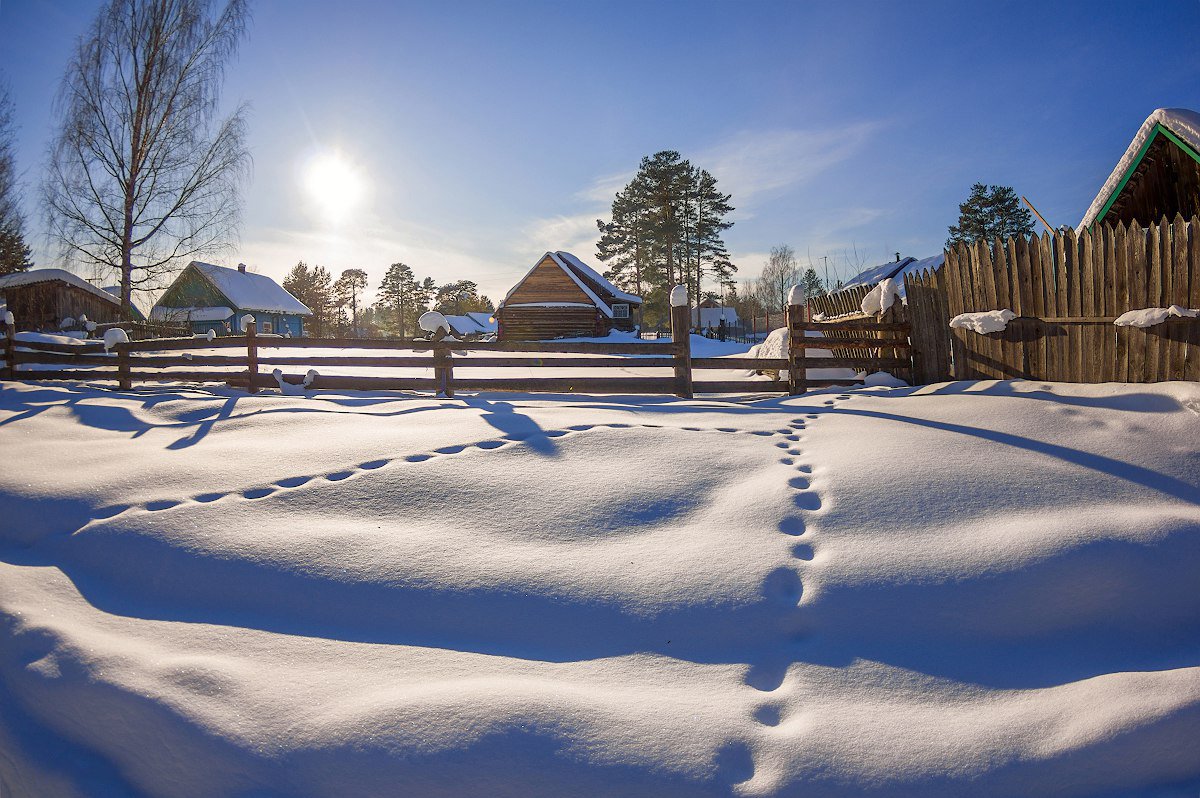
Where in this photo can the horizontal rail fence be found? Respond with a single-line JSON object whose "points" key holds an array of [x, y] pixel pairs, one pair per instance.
{"points": [[248, 361], [1067, 290]]}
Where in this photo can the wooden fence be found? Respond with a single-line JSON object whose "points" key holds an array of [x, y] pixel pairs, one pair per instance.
{"points": [[888, 341], [1066, 291], [446, 365]]}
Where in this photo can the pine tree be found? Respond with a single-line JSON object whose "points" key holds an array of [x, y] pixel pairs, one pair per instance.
{"points": [[314, 287], [346, 290], [462, 296], [711, 255], [398, 293], [989, 213], [622, 243], [425, 294], [14, 255], [666, 228], [812, 283]]}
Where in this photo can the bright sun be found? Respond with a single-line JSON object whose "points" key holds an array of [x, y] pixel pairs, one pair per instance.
{"points": [[334, 185]]}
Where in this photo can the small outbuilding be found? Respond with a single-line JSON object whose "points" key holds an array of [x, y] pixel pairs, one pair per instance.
{"points": [[472, 324], [41, 299], [208, 297], [1159, 174], [562, 297]]}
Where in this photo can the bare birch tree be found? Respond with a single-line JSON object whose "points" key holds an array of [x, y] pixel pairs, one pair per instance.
{"points": [[778, 276], [144, 173]]}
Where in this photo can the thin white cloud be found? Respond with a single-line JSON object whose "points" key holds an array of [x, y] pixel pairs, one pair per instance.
{"points": [[576, 234], [603, 189], [755, 162]]}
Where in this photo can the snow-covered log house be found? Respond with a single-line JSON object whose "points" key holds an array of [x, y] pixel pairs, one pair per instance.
{"points": [[562, 297], [207, 297], [41, 299]]}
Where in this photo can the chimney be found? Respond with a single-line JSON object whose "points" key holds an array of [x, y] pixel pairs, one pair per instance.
{"points": [[897, 260], [242, 268]]}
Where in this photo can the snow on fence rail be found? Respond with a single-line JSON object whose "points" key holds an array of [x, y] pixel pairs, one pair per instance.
{"points": [[454, 365]]}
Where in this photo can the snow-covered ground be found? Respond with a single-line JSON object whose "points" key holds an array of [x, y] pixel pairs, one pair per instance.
{"points": [[981, 588]]}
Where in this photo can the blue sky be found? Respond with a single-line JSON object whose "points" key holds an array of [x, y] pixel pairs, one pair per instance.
{"points": [[484, 133]]}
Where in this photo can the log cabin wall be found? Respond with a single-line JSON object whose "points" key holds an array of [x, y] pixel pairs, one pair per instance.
{"points": [[41, 306], [543, 323]]}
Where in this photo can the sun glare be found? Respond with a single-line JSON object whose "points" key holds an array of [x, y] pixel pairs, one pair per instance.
{"points": [[335, 187]]}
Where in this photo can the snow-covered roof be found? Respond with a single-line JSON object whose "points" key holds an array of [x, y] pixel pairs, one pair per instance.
{"points": [[162, 313], [34, 276], [471, 323], [589, 273], [896, 270], [1182, 122], [250, 291]]}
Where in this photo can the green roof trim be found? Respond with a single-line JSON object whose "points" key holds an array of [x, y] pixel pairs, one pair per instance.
{"points": [[1158, 130]]}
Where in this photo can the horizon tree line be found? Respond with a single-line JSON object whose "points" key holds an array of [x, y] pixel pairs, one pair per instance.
{"points": [[401, 298]]}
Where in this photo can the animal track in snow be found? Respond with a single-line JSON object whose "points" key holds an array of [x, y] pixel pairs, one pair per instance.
{"points": [[767, 715], [256, 492]]}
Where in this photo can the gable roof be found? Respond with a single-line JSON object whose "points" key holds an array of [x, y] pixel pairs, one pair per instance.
{"points": [[581, 275], [593, 276], [249, 291], [1180, 125], [34, 276]]}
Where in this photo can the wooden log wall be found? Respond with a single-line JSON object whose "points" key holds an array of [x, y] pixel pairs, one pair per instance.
{"points": [[1067, 290]]}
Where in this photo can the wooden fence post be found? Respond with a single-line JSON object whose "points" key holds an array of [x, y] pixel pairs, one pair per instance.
{"points": [[797, 368], [443, 371], [681, 341], [10, 332], [124, 382], [251, 352]]}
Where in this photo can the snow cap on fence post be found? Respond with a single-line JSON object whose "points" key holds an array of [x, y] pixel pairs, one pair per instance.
{"points": [[679, 297], [796, 295], [114, 336], [246, 321], [9, 319], [432, 321]]}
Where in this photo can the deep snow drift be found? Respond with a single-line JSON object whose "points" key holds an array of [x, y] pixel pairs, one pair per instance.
{"points": [[975, 588]]}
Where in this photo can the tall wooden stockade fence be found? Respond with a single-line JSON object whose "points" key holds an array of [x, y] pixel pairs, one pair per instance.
{"points": [[1066, 290], [174, 360]]}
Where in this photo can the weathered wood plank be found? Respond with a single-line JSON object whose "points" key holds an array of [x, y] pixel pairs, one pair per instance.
{"points": [[1120, 271], [855, 325], [624, 385], [740, 386], [1139, 269], [753, 363]]}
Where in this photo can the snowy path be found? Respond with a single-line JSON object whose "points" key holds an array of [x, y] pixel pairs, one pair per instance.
{"points": [[984, 588]]}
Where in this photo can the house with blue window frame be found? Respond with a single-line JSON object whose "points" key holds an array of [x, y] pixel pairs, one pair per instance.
{"points": [[209, 297]]}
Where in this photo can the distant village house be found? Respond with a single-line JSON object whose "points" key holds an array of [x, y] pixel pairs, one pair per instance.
{"points": [[207, 297], [561, 297]]}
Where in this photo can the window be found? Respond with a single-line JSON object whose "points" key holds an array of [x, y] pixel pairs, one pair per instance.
{"points": [[267, 328], [620, 311]]}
